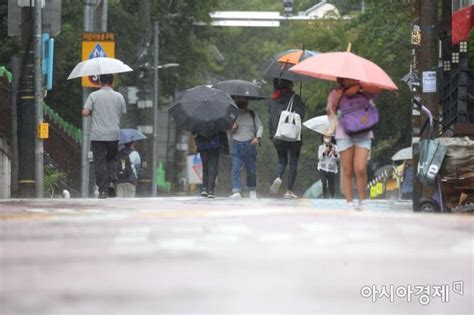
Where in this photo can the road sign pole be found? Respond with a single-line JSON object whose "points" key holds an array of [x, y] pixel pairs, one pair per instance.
{"points": [[156, 95], [104, 15], [425, 58]]}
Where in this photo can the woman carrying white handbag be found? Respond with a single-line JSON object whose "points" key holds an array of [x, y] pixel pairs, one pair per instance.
{"points": [[286, 110]]}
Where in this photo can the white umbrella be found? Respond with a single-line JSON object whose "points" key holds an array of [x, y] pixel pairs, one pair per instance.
{"points": [[98, 66], [403, 154], [319, 124]]}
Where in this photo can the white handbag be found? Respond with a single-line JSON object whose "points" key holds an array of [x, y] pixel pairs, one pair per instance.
{"points": [[289, 125]]}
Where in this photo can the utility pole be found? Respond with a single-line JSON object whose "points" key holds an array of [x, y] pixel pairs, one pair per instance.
{"points": [[39, 149], [156, 95], [425, 60], [26, 110], [86, 121], [429, 55]]}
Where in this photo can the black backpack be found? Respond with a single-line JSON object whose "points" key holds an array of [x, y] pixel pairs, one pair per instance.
{"points": [[125, 172]]}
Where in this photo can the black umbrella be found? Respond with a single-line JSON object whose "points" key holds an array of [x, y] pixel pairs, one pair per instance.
{"points": [[204, 110], [240, 88], [276, 67]]}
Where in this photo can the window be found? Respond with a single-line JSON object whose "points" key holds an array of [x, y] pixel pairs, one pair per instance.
{"points": [[461, 4]]}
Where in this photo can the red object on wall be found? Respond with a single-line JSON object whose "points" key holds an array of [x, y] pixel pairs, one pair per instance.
{"points": [[461, 23]]}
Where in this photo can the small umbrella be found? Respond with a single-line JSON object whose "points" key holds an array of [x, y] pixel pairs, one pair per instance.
{"points": [[320, 124], [240, 88], [130, 135], [98, 66], [277, 66], [403, 154], [330, 66], [204, 110]]}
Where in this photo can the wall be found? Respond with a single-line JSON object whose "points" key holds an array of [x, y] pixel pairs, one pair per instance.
{"points": [[5, 169]]}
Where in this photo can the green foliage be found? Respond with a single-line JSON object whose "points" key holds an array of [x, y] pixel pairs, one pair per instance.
{"points": [[9, 46], [66, 96], [53, 180]]}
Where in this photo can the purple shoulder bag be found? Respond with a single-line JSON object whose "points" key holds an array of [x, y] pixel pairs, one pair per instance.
{"points": [[357, 114]]}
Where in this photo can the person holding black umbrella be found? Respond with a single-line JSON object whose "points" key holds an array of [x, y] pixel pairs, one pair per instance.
{"points": [[208, 113], [286, 150], [209, 149]]}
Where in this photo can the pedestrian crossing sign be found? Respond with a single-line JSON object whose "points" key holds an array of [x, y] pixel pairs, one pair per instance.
{"points": [[96, 48], [98, 51]]}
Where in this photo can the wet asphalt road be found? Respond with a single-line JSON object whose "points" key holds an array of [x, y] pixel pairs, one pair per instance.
{"points": [[192, 255]]}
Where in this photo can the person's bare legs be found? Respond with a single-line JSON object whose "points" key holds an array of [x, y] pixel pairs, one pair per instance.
{"points": [[347, 161], [361, 156]]}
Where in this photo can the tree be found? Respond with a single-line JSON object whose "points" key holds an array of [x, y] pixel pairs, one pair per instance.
{"points": [[180, 41], [10, 45]]}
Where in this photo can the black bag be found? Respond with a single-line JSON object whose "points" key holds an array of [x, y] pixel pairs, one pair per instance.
{"points": [[125, 172]]}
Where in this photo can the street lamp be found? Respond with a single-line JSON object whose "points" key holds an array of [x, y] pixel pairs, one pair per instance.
{"points": [[168, 65], [156, 67], [156, 108]]}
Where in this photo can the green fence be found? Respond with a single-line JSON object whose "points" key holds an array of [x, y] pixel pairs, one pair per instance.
{"points": [[5, 73], [74, 132]]}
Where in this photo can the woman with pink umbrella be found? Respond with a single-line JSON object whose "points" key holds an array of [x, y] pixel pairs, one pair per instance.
{"points": [[354, 148], [351, 109]]}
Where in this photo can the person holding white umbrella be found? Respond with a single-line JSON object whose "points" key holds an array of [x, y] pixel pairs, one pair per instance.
{"points": [[105, 106], [327, 165], [327, 153]]}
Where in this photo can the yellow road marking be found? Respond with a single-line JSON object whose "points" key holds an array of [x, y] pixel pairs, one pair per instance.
{"points": [[25, 216]]}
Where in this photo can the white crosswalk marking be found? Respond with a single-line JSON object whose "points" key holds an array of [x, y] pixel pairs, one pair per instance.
{"points": [[177, 244], [275, 237]]}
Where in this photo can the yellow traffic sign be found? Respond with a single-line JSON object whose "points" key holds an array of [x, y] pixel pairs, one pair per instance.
{"points": [[96, 45], [416, 37], [43, 131], [101, 37]]}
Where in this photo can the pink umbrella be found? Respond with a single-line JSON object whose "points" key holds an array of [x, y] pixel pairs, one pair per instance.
{"points": [[329, 66]]}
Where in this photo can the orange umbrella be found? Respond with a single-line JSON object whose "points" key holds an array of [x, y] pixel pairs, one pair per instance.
{"points": [[293, 57], [277, 66], [333, 65]]}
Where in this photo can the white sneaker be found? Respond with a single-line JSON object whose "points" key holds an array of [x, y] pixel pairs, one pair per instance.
{"points": [[351, 206], [275, 186], [253, 194], [361, 206], [235, 195], [290, 195]]}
